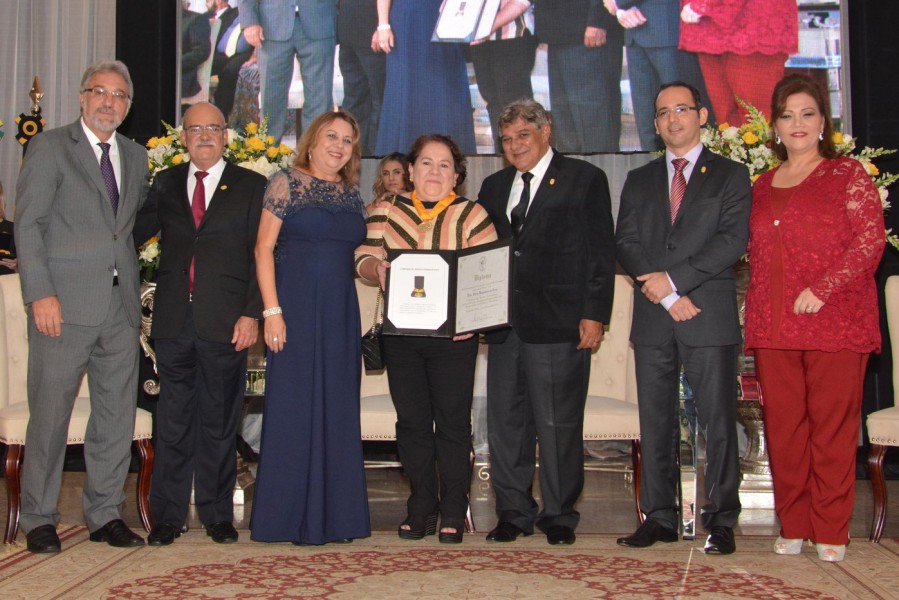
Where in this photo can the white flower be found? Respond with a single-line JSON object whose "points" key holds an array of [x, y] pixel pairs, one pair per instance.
{"points": [[884, 194], [731, 133], [150, 252], [261, 166], [232, 135]]}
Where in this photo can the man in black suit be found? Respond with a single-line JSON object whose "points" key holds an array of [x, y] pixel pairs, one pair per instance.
{"points": [[558, 212], [584, 49], [195, 49], [364, 70], [682, 225], [230, 51], [204, 319]]}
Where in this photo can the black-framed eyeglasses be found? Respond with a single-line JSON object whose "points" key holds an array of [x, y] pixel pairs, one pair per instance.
{"points": [[101, 92], [678, 111], [198, 129]]}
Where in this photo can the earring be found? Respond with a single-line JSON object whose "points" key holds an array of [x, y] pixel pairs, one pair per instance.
{"points": [[821, 136], [776, 139]]}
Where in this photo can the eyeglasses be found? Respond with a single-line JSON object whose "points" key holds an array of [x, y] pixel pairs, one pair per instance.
{"points": [[678, 111], [198, 129], [101, 92]]}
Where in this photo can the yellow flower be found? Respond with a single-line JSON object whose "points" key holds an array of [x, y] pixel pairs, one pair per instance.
{"points": [[284, 149], [756, 176], [251, 128], [723, 126], [255, 144], [272, 152], [233, 145], [149, 164], [837, 137], [176, 160], [269, 140], [152, 142], [750, 138], [873, 170], [165, 140]]}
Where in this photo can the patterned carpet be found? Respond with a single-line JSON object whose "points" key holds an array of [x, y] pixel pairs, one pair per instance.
{"points": [[385, 567]]}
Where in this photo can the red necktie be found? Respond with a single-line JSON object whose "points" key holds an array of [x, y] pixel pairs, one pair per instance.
{"points": [[678, 186], [198, 208]]}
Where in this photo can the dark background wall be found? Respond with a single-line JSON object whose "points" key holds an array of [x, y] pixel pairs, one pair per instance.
{"points": [[146, 37]]}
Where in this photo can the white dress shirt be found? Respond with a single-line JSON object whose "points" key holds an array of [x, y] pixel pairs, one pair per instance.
{"points": [[113, 152], [538, 172], [210, 182], [692, 156]]}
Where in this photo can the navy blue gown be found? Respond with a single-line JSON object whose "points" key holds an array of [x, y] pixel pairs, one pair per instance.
{"points": [[426, 90], [310, 486]]}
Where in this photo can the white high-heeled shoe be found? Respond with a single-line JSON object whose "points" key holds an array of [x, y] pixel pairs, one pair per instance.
{"points": [[788, 545], [831, 552]]}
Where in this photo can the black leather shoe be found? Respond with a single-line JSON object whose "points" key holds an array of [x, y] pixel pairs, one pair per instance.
{"points": [[560, 534], [116, 533], [163, 534], [721, 541], [506, 532], [43, 540], [222, 532], [648, 534]]}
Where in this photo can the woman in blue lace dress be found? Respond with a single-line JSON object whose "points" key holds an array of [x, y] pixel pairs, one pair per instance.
{"points": [[310, 487]]}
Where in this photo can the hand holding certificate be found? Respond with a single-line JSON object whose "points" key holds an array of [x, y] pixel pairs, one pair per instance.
{"points": [[443, 293], [463, 21]]}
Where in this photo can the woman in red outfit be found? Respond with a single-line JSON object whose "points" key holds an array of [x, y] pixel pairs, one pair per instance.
{"points": [[742, 46], [816, 236]]}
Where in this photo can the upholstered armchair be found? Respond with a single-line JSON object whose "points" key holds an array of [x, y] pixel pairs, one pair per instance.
{"points": [[883, 432], [14, 408]]}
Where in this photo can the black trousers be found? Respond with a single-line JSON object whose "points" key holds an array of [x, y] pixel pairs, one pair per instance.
{"points": [[503, 72], [228, 69], [712, 373], [364, 73], [431, 383], [202, 387], [537, 391]]}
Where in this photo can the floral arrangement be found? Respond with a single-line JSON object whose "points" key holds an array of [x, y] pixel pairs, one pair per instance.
{"points": [[148, 258], [249, 147], [751, 144]]}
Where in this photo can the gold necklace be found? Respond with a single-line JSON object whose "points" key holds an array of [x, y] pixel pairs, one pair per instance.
{"points": [[427, 216]]}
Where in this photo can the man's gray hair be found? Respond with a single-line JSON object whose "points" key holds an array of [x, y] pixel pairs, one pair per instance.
{"points": [[530, 111], [109, 66]]}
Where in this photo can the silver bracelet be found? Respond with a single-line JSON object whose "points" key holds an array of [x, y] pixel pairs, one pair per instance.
{"points": [[269, 312], [384, 27]]}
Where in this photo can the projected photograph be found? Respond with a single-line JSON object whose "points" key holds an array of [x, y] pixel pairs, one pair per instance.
{"points": [[449, 66]]}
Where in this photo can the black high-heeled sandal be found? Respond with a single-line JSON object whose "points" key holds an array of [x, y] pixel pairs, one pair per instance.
{"points": [[451, 538], [417, 531]]}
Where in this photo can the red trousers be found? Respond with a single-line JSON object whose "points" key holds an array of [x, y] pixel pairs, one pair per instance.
{"points": [[750, 77], [812, 408]]}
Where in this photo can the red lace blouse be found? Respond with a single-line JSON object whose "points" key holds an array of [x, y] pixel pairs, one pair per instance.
{"points": [[831, 235]]}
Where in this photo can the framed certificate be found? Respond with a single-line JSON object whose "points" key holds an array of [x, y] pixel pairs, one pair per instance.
{"points": [[463, 21], [442, 293]]}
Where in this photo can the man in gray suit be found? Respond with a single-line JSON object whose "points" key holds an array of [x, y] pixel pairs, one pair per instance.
{"points": [[682, 224], [281, 29], [78, 193]]}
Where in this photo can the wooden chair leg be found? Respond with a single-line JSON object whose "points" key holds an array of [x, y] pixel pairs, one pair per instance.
{"points": [[145, 448], [879, 490], [14, 454], [636, 458]]}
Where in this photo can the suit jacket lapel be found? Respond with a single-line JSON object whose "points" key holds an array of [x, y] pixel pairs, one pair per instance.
{"points": [[661, 191], [544, 193], [219, 195], [91, 166]]}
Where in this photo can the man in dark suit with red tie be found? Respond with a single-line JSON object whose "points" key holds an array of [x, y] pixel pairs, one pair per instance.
{"points": [[682, 225], [557, 211], [204, 318]]}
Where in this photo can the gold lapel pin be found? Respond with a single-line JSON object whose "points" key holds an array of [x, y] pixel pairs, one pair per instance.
{"points": [[702, 170], [225, 187], [552, 181]]}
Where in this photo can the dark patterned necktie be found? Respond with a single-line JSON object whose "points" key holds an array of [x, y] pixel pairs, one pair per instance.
{"points": [[198, 208], [521, 209], [678, 186], [112, 188]]}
